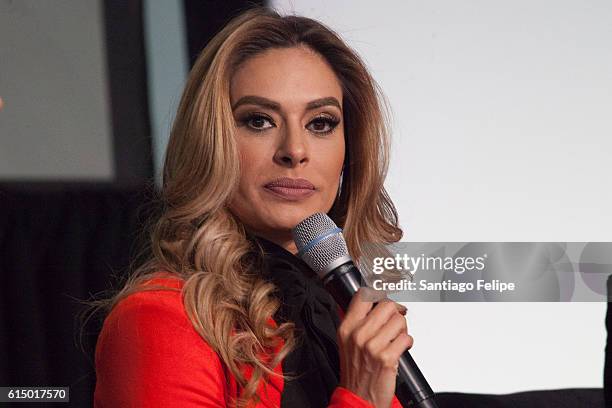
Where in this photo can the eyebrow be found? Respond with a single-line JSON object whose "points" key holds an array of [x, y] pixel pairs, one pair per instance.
{"points": [[275, 106]]}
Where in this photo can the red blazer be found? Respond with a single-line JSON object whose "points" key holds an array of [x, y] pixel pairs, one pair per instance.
{"points": [[149, 355]]}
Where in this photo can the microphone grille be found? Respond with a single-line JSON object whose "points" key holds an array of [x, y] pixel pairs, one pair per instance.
{"points": [[320, 243]]}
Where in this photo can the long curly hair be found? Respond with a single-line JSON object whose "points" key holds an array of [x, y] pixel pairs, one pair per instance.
{"points": [[198, 239]]}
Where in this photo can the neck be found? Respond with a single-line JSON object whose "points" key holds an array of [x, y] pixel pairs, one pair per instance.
{"points": [[289, 245], [279, 239]]}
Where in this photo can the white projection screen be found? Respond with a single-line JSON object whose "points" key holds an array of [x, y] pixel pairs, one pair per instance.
{"points": [[502, 123]]}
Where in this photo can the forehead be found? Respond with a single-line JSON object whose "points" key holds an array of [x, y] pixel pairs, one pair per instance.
{"points": [[288, 75]]}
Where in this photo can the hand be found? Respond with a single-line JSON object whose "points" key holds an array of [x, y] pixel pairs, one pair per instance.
{"points": [[371, 341]]}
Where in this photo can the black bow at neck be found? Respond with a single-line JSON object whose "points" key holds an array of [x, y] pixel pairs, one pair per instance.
{"points": [[305, 302]]}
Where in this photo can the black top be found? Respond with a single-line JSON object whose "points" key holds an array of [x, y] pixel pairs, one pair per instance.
{"points": [[306, 303]]}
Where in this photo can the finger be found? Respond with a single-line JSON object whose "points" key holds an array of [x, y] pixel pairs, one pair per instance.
{"points": [[402, 309], [389, 332], [379, 316], [396, 348], [373, 323], [357, 309]]}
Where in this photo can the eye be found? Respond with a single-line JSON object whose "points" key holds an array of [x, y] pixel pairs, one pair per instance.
{"points": [[323, 124], [256, 122]]}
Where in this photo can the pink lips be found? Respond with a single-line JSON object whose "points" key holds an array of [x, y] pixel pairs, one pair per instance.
{"points": [[291, 189]]}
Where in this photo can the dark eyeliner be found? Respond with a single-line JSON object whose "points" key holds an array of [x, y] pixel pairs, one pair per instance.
{"points": [[247, 118], [330, 120]]}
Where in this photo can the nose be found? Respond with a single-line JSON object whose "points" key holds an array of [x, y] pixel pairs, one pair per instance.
{"points": [[292, 149]]}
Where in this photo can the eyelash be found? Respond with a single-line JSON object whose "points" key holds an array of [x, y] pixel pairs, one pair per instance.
{"points": [[331, 121]]}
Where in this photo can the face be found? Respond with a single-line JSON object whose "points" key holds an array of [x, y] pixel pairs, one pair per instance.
{"points": [[287, 104]]}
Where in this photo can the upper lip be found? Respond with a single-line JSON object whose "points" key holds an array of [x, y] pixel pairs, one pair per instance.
{"points": [[288, 182]]}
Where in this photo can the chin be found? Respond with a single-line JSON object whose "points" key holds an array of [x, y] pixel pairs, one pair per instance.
{"points": [[287, 219]]}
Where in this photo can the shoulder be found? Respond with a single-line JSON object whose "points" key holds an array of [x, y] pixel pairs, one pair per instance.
{"points": [[161, 291], [152, 317], [148, 344]]}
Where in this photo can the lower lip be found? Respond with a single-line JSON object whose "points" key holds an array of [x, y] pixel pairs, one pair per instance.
{"points": [[291, 194]]}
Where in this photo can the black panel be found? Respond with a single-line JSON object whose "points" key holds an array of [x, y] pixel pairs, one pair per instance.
{"points": [[204, 18], [127, 76]]}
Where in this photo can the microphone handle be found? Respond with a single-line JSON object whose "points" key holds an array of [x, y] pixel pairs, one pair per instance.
{"points": [[411, 388]]}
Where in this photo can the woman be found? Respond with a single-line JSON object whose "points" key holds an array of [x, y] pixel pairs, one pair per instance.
{"points": [[279, 119]]}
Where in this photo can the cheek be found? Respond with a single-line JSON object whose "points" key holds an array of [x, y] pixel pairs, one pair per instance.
{"points": [[329, 160], [244, 201], [340, 151], [252, 157], [333, 158]]}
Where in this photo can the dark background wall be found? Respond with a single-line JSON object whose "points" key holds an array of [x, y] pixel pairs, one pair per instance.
{"points": [[71, 237]]}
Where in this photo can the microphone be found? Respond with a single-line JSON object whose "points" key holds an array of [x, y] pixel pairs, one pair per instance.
{"points": [[321, 245]]}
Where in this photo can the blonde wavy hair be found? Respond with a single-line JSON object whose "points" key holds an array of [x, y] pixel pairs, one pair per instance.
{"points": [[198, 239]]}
